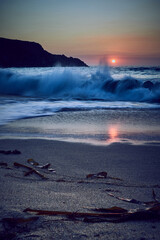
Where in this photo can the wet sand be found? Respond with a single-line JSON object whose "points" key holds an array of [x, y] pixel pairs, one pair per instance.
{"points": [[136, 167]]}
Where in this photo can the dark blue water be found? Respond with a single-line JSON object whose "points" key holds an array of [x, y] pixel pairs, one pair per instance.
{"points": [[96, 104]]}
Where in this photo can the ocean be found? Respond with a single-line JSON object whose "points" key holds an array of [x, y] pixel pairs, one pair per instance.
{"points": [[96, 105]]}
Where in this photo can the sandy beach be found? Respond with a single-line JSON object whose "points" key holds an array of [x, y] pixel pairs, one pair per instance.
{"points": [[132, 172], [79, 120]]}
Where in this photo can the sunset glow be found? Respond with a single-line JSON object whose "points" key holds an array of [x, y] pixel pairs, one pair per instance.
{"points": [[128, 30]]}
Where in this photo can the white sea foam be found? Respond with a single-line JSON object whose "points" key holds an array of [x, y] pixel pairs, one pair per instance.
{"points": [[32, 92], [84, 84]]}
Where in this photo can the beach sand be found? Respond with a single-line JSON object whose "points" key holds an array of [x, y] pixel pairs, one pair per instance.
{"points": [[133, 171]]}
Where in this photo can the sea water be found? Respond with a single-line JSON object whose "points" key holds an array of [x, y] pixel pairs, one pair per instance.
{"points": [[97, 105]]}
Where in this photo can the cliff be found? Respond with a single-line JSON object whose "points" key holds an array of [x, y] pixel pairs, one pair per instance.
{"points": [[17, 53]]}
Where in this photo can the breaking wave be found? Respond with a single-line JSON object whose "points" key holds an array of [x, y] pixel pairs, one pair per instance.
{"points": [[73, 83]]}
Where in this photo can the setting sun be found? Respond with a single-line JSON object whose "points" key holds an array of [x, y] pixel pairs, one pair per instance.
{"points": [[113, 61]]}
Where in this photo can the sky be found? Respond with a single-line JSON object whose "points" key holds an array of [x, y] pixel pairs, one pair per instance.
{"points": [[125, 30]]}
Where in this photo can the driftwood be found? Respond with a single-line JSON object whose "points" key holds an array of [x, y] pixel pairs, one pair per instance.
{"points": [[101, 175], [31, 170], [111, 210], [97, 175], [32, 162], [114, 214], [146, 214], [132, 200], [74, 214], [10, 152], [36, 164], [45, 166]]}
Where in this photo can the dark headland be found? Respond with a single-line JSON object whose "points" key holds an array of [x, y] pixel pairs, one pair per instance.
{"points": [[17, 53]]}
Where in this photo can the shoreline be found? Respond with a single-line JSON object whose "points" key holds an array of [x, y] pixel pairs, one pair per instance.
{"points": [[89, 142], [132, 172], [98, 127]]}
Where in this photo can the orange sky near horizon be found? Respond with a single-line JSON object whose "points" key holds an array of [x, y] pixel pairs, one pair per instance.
{"points": [[132, 49]]}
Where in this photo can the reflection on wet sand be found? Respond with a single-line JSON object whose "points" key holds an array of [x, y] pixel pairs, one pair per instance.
{"points": [[112, 133]]}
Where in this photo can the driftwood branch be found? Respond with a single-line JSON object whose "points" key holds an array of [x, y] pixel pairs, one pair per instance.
{"points": [[31, 170], [132, 200], [114, 214], [75, 214]]}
